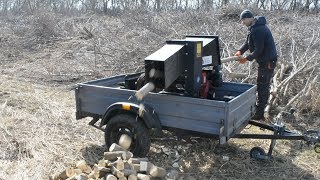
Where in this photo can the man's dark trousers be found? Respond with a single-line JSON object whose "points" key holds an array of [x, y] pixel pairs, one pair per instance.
{"points": [[265, 73]]}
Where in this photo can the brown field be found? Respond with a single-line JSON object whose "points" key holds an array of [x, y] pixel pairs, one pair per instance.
{"points": [[43, 56]]}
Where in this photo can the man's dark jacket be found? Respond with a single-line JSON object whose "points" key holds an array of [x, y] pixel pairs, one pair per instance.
{"points": [[260, 43]]}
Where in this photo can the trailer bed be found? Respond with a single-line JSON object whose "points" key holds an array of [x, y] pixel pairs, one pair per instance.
{"points": [[224, 116]]}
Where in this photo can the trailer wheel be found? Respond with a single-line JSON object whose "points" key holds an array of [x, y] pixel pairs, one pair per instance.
{"points": [[132, 126], [317, 147], [258, 153]]}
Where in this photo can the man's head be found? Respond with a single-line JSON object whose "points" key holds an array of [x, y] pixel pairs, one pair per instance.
{"points": [[246, 18]]}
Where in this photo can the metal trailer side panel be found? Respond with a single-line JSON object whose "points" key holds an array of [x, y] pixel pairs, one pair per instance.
{"points": [[192, 114], [96, 99], [240, 110], [107, 82]]}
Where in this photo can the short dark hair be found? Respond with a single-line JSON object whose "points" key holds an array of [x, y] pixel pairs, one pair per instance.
{"points": [[246, 14]]}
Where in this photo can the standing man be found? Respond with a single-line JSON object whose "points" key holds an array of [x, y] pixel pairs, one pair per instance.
{"points": [[262, 48]]}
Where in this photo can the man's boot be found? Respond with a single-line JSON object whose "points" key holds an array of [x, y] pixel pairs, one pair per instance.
{"points": [[258, 116]]}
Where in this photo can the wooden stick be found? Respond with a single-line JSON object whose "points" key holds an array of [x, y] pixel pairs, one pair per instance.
{"points": [[63, 175], [112, 156], [127, 165], [132, 177], [136, 167], [137, 160], [115, 147], [231, 58], [102, 171], [273, 94], [116, 172], [308, 91], [143, 176], [95, 173], [125, 141], [127, 155], [158, 172], [70, 171], [141, 93], [77, 171], [282, 67], [118, 164], [110, 177], [145, 166], [293, 99], [128, 172], [83, 166], [58, 177], [286, 88], [285, 81], [81, 177], [72, 178], [103, 163]]}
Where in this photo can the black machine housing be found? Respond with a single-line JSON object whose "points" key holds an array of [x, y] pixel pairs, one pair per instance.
{"points": [[179, 65]]}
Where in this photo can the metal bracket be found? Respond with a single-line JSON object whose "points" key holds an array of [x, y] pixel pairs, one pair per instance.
{"points": [[93, 123]]}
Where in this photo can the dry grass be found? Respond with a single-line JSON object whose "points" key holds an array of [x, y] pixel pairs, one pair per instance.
{"points": [[39, 133], [38, 130], [40, 136]]}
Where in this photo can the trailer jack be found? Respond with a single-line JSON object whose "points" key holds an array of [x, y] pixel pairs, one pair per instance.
{"points": [[311, 137]]}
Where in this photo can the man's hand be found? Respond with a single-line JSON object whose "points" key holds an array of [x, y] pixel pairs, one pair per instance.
{"points": [[238, 53], [243, 60]]}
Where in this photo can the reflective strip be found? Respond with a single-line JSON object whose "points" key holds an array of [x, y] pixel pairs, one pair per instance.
{"points": [[199, 49], [126, 107]]}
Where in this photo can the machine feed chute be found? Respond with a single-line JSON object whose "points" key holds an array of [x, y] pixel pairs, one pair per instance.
{"points": [[179, 61], [164, 66]]}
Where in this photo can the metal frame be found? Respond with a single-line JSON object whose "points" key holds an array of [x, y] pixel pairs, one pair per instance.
{"points": [[312, 137]]}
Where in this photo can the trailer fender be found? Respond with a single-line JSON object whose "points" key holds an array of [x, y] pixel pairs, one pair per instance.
{"points": [[145, 112]]}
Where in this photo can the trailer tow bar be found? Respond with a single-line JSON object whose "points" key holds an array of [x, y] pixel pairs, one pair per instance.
{"points": [[311, 137]]}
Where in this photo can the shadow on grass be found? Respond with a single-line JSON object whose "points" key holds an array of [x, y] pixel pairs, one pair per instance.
{"points": [[92, 154], [206, 159]]}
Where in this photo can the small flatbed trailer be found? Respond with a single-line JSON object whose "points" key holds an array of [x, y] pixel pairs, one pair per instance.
{"points": [[223, 117], [178, 91]]}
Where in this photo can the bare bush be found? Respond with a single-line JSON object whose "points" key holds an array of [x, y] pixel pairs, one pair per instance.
{"points": [[44, 25]]}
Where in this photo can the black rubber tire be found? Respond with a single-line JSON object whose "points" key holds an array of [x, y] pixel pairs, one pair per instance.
{"points": [[256, 152], [134, 127], [317, 147]]}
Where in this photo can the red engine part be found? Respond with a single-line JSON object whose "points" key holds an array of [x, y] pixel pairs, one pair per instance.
{"points": [[204, 86]]}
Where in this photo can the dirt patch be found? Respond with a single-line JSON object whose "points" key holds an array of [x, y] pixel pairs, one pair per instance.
{"points": [[14, 150]]}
